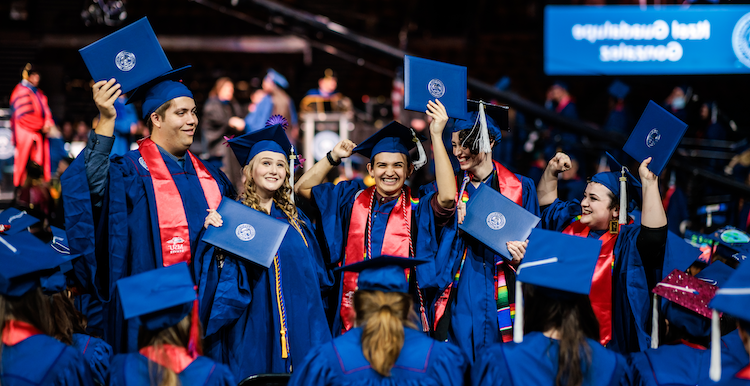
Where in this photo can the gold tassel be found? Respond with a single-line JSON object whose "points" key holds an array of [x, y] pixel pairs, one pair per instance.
{"points": [[614, 226]]}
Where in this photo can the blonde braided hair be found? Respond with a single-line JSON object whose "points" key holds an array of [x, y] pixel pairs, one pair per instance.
{"points": [[281, 197]]}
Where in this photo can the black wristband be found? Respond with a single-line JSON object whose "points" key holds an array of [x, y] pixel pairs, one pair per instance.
{"points": [[331, 161]]}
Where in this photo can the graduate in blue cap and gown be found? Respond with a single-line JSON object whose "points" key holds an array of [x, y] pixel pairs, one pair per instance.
{"points": [[275, 101], [560, 345], [733, 298], [632, 255], [169, 343], [30, 355], [266, 320], [359, 223], [684, 358], [384, 347], [143, 210], [476, 284]]}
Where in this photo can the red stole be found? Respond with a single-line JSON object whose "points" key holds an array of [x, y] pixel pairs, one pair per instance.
{"points": [[744, 373], [16, 331], [173, 225], [601, 285], [509, 184], [668, 196], [396, 242], [172, 357]]}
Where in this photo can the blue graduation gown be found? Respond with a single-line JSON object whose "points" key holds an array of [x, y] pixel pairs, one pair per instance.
{"points": [[422, 361], [535, 362], [133, 369], [631, 306], [684, 365], [335, 203], [474, 320], [122, 238], [43, 360], [242, 328], [97, 354]]}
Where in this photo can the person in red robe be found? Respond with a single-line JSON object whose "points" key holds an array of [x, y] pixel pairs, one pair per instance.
{"points": [[30, 121]]}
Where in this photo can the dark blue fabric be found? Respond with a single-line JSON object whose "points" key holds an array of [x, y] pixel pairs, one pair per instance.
{"points": [[422, 361], [242, 326], [97, 354], [535, 362], [133, 369], [122, 238], [473, 324], [42, 360], [127, 115]]}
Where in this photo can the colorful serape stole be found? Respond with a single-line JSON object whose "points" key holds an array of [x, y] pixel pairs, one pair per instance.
{"points": [[506, 310]]}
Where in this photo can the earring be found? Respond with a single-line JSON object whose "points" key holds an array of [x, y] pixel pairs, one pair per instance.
{"points": [[614, 226]]}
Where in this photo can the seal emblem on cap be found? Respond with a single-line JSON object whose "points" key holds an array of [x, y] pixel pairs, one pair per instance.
{"points": [[245, 232], [653, 137], [495, 221], [125, 60], [436, 88], [741, 39]]}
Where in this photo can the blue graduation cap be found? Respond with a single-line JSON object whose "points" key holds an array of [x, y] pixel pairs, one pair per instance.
{"points": [[160, 89], [24, 260], [393, 138], [618, 89], [733, 297], [14, 221], [426, 80], [556, 261], [160, 298], [559, 261], [615, 180], [494, 220], [247, 233], [680, 254], [277, 78], [132, 55], [383, 273], [688, 298], [271, 138], [656, 135]]}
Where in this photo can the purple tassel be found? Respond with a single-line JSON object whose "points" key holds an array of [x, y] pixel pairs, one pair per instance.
{"points": [[277, 120]]}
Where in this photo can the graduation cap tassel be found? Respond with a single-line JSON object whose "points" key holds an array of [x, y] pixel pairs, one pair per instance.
{"points": [[518, 321], [484, 135], [655, 322], [714, 371], [292, 158], [420, 149], [623, 197]]}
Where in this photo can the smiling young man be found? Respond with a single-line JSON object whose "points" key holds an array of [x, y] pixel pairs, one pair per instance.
{"points": [[143, 210], [360, 223]]}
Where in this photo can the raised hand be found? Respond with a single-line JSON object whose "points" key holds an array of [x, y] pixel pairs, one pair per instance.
{"points": [[559, 163], [436, 111], [647, 176], [343, 150], [105, 94]]}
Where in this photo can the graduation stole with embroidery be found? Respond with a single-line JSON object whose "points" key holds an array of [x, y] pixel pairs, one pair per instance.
{"points": [[173, 225], [172, 357], [601, 284], [396, 242], [511, 187], [16, 331]]}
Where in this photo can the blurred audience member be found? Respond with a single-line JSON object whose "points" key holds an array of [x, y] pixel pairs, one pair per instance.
{"points": [[274, 101], [221, 119], [677, 100], [325, 98], [126, 126], [30, 121]]}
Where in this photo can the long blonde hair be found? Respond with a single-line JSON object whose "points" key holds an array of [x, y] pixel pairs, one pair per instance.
{"points": [[177, 335], [383, 316], [281, 196]]}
